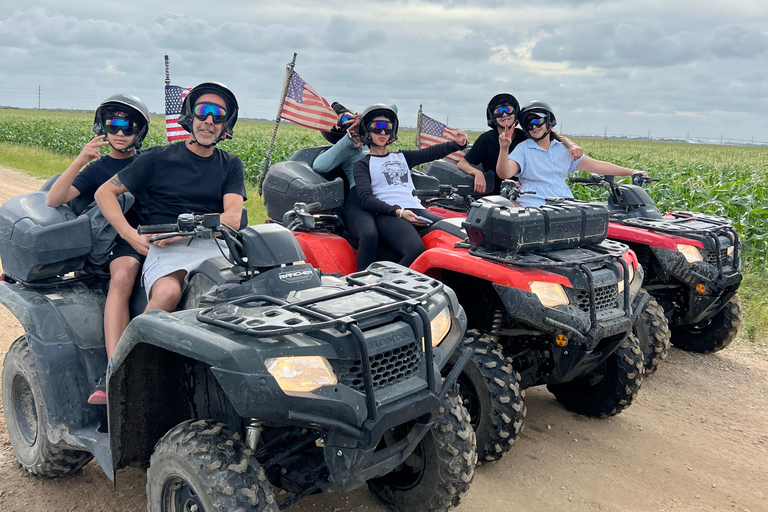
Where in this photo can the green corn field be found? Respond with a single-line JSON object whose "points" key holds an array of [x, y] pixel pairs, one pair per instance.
{"points": [[720, 180]]}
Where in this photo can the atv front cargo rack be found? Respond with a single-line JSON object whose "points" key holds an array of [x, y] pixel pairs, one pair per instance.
{"points": [[399, 289], [698, 226]]}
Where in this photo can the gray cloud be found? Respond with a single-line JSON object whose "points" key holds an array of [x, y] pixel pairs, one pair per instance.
{"points": [[632, 65]]}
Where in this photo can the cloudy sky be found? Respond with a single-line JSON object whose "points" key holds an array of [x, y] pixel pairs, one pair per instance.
{"points": [[674, 67]]}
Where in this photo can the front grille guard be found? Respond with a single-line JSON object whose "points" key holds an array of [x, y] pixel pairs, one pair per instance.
{"points": [[607, 249], [678, 225], [407, 301]]}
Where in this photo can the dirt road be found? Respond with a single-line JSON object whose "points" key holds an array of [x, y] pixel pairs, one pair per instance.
{"points": [[696, 439]]}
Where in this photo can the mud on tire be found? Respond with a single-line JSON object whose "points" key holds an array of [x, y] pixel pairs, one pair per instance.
{"points": [[608, 389], [652, 331], [203, 463], [712, 335], [26, 418], [438, 473], [490, 391]]}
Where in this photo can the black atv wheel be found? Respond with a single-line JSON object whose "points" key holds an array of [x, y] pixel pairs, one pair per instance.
{"points": [[490, 391], [713, 335], [26, 418], [436, 476], [608, 389], [652, 331], [202, 466]]}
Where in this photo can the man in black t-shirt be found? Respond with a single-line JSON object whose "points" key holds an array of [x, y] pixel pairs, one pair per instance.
{"points": [[501, 113], [187, 177]]}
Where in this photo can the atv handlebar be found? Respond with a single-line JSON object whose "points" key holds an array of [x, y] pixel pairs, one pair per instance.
{"points": [[607, 180], [301, 216], [188, 224]]}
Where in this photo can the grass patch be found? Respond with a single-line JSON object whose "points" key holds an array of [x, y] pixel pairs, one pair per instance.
{"points": [[754, 299], [40, 163]]}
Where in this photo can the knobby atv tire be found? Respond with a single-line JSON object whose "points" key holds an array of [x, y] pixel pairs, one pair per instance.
{"points": [[490, 391], [26, 418], [203, 463], [438, 473], [608, 389], [652, 331], [713, 335]]}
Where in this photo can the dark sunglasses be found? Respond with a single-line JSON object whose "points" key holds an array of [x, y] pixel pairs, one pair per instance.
{"points": [[346, 119], [505, 109], [120, 124], [537, 121], [379, 126], [203, 110]]}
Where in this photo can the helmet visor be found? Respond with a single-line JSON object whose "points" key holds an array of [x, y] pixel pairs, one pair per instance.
{"points": [[117, 124], [217, 112], [378, 126], [503, 109]]}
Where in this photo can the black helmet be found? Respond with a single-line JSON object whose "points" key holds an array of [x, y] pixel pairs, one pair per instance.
{"points": [[538, 108], [379, 109], [499, 100], [135, 108], [186, 117]]}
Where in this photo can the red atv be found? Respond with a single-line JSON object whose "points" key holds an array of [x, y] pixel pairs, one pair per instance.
{"points": [[547, 297], [692, 262]]}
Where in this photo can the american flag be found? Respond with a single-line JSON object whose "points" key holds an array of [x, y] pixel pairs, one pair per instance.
{"points": [[304, 106], [174, 97], [434, 132]]}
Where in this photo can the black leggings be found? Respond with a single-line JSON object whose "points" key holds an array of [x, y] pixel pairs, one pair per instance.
{"points": [[362, 225], [402, 236]]}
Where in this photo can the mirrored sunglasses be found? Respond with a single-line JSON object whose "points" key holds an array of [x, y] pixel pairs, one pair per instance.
{"points": [[379, 126], [117, 124], [504, 109], [217, 113], [346, 119]]}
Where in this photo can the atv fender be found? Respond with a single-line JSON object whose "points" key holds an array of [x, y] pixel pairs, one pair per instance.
{"points": [[64, 331]]}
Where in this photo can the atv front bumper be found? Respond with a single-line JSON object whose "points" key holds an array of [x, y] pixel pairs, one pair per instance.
{"points": [[708, 289], [351, 437]]}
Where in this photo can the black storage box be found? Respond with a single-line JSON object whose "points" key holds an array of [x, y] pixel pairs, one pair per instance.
{"points": [[291, 182], [501, 228], [38, 242]]}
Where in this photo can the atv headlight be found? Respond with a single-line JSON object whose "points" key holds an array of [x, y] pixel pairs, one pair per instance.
{"points": [[306, 373], [631, 272], [550, 294], [440, 326], [690, 252]]}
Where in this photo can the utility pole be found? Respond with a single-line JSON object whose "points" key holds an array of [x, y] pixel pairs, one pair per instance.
{"points": [[649, 134], [38, 97], [605, 134]]}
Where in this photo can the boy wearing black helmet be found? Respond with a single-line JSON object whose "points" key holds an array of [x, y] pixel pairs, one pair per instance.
{"points": [[501, 113], [123, 120], [541, 163], [192, 176], [384, 184]]}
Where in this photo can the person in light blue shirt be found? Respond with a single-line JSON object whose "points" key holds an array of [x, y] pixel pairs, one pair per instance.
{"points": [[542, 163]]}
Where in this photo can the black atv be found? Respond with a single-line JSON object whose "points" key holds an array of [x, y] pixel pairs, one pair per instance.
{"points": [[692, 262], [281, 379]]}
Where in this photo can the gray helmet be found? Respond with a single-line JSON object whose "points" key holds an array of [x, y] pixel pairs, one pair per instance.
{"points": [[498, 100], [379, 109], [540, 108], [135, 108], [187, 115]]}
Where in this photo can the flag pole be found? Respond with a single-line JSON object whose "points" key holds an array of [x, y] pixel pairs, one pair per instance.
{"points": [[288, 76], [418, 130], [167, 71]]}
